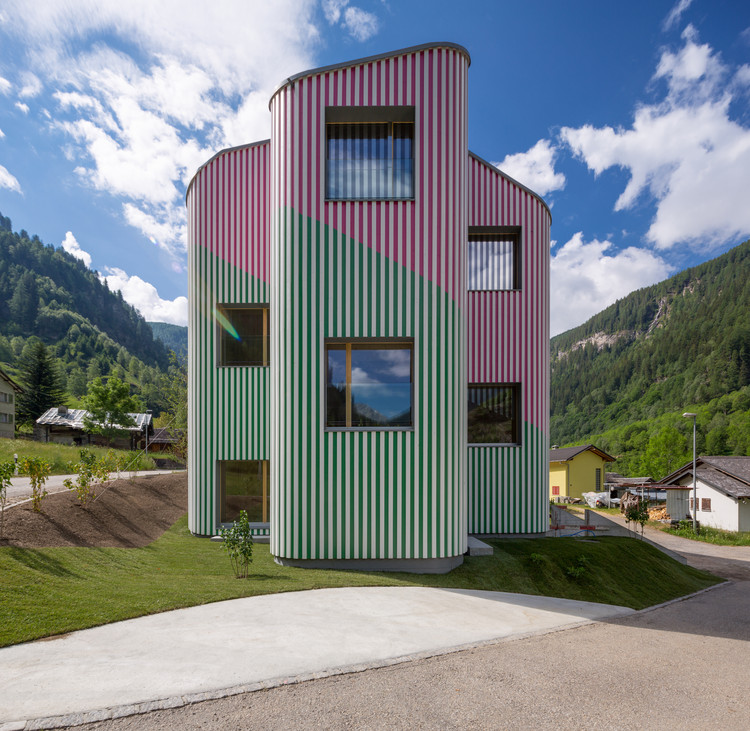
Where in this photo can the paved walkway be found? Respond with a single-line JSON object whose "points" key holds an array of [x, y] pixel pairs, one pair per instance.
{"points": [[20, 487], [226, 648]]}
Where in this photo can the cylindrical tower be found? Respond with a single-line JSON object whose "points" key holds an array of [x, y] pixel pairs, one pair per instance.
{"points": [[368, 219]]}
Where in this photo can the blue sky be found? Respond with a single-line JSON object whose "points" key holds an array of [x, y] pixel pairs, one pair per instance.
{"points": [[632, 120]]}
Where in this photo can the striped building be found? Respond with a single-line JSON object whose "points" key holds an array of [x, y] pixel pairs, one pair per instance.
{"points": [[369, 325]]}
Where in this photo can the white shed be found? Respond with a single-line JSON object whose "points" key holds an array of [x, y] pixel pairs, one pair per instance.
{"points": [[723, 491]]}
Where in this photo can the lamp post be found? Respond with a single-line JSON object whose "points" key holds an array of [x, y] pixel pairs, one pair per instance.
{"points": [[688, 415], [148, 421]]}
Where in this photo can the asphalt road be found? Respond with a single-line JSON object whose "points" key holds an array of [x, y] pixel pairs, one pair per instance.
{"points": [[683, 665]]}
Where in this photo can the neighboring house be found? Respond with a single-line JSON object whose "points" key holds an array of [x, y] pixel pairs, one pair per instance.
{"points": [[65, 426], [164, 440], [723, 489], [9, 389], [361, 287], [617, 485], [575, 470]]}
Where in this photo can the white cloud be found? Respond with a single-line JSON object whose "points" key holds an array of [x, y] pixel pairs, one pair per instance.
{"points": [[685, 152], [145, 298], [196, 77], [676, 13], [23, 107], [7, 180], [5, 85], [534, 168], [332, 10], [74, 249], [586, 278], [2, 134], [31, 85], [360, 24]]}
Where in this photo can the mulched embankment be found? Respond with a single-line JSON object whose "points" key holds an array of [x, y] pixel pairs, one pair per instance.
{"points": [[127, 514]]}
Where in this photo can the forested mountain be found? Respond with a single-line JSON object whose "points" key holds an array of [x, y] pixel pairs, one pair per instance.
{"points": [[48, 294], [680, 345], [174, 337]]}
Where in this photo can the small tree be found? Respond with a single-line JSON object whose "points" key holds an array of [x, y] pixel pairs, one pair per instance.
{"points": [[238, 543], [637, 512], [108, 405], [91, 472], [6, 472], [38, 471]]}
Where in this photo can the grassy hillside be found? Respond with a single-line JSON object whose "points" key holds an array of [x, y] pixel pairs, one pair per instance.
{"points": [[630, 371]]}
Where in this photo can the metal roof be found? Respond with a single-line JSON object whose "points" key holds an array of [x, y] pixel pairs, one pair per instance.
{"points": [[73, 419]]}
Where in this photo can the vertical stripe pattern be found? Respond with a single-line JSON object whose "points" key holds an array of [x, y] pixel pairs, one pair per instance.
{"points": [[227, 205], [363, 269], [508, 342]]}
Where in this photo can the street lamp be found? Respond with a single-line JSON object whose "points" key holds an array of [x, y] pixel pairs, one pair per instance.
{"points": [[688, 415]]}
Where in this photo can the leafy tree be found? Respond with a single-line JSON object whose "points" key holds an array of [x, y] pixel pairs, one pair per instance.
{"points": [[41, 381], [38, 471], [665, 452], [109, 405], [175, 395], [237, 541]]}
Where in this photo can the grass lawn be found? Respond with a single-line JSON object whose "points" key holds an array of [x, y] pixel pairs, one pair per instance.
{"points": [[709, 535], [55, 590], [61, 457]]}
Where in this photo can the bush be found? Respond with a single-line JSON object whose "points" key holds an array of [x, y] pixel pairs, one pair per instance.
{"points": [[237, 541], [38, 471], [91, 471]]}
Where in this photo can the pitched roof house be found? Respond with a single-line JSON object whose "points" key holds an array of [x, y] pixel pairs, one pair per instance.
{"points": [[723, 492], [9, 389], [575, 470], [362, 287]]}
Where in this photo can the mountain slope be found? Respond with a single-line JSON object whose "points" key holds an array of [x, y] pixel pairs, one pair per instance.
{"points": [[174, 337], [683, 341]]}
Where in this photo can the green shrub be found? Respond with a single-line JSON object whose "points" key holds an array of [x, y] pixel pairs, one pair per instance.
{"points": [[38, 471], [237, 541]]}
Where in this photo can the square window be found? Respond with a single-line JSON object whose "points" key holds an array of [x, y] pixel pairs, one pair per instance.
{"points": [[706, 504], [492, 261], [556, 489], [370, 153], [494, 413], [369, 384], [243, 485], [242, 335]]}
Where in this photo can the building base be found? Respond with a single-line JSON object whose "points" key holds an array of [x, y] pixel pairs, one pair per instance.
{"points": [[407, 565]]}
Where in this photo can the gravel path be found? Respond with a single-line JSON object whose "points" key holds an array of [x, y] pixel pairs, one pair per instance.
{"points": [[685, 664]]}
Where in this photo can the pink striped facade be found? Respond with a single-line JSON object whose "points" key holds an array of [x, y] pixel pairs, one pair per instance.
{"points": [[261, 231], [508, 342]]}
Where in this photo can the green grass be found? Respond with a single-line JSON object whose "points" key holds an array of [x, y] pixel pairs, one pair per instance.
{"points": [[710, 535], [61, 457], [55, 590]]}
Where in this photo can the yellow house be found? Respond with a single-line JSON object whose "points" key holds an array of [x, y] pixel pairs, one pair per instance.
{"points": [[575, 470], [9, 389]]}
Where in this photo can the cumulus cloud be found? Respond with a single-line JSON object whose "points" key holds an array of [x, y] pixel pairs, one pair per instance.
{"points": [[9, 181], [74, 249], [534, 168], [139, 117], [685, 152], [676, 13], [586, 278], [360, 24], [145, 298]]}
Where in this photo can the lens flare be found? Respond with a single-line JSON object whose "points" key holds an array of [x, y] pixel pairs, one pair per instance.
{"points": [[224, 322]]}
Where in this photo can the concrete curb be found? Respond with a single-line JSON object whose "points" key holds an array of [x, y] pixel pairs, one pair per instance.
{"points": [[112, 712]]}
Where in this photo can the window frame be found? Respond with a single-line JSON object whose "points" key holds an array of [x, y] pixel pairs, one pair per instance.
{"points": [[556, 490], [516, 233], [364, 344], [266, 495], [517, 413], [221, 308], [705, 504], [390, 115]]}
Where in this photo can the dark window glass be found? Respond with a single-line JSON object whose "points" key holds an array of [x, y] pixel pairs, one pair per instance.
{"points": [[243, 335], [494, 414], [370, 160], [244, 486], [369, 385], [493, 261]]}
